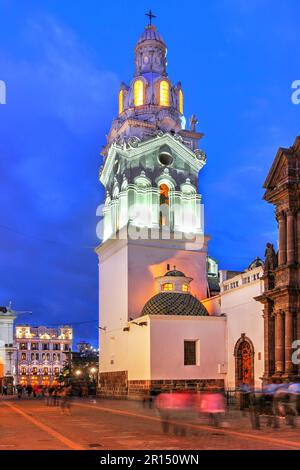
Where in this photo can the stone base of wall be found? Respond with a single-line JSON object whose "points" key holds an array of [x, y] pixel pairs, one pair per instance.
{"points": [[117, 385], [113, 384], [142, 388]]}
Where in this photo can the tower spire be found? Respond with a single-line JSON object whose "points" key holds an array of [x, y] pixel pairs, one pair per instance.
{"points": [[150, 15]]}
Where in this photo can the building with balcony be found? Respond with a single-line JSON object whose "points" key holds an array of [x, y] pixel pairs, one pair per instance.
{"points": [[41, 353]]}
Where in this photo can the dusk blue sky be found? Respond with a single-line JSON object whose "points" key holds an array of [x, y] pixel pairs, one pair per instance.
{"points": [[62, 62]]}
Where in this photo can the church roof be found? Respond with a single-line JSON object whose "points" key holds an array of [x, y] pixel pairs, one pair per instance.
{"points": [[150, 33], [173, 303]]}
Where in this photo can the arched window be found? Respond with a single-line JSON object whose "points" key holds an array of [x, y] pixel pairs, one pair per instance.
{"points": [[164, 201], [168, 286], [164, 93], [138, 93], [180, 101], [120, 101]]}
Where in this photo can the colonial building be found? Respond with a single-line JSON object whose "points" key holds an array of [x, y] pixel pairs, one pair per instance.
{"points": [[151, 317], [281, 298], [163, 321], [42, 353], [7, 363]]}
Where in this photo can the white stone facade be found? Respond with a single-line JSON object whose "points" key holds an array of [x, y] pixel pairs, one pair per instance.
{"points": [[7, 362]]}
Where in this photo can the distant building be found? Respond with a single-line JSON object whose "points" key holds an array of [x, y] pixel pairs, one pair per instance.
{"points": [[7, 366], [83, 347], [42, 353]]}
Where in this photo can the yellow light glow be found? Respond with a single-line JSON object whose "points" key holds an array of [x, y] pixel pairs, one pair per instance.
{"points": [[120, 101], [138, 93], [185, 287], [180, 101], [167, 286], [164, 93]]}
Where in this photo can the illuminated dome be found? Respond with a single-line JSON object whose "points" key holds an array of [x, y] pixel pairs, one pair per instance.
{"points": [[173, 303]]}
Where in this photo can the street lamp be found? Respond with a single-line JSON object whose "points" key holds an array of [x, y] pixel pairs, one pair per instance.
{"points": [[78, 372]]}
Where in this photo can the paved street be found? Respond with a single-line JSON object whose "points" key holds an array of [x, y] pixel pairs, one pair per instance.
{"points": [[108, 425]]}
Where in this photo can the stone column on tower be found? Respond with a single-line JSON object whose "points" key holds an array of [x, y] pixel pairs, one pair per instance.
{"points": [[288, 341], [269, 352], [290, 237], [279, 343], [281, 217], [298, 239]]}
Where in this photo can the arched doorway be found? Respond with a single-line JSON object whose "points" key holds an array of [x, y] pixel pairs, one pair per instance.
{"points": [[244, 362]]}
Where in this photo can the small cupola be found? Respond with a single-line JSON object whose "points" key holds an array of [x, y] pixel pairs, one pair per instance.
{"points": [[174, 281]]}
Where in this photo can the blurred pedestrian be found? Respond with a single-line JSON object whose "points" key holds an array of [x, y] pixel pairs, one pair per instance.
{"points": [[19, 391], [212, 403], [66, 394]]}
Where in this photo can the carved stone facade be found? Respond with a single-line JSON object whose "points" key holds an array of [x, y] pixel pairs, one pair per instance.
{"points": [[281, 298]]}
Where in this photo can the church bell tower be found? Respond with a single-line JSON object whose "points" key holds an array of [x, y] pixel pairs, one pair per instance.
{"points": [[152, 214]]}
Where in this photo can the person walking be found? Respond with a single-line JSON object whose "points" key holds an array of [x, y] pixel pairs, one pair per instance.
{"points": [[19, 391]]}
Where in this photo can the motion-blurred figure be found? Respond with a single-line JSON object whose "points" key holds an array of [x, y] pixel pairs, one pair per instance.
{"points": [[66, 394], [174, 406], [212, 403]]}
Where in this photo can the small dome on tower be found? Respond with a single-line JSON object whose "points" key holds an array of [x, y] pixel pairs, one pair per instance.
{"points": [[175, 273], [150, 33]]}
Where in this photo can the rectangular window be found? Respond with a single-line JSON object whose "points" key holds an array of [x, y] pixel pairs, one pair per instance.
{"points": [[34, 346], [167, 286], [56, 347], [45, 347], [190, 358], [23, 356], [23, 346]]}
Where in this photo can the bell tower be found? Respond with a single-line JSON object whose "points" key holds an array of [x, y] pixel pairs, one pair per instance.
{"points": [[153, 214]]}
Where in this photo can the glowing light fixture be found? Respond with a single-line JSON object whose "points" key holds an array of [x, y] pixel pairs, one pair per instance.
{"points": [[138, 93], [164, 93]]}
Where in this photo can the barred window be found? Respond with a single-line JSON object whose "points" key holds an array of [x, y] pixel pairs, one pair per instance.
{"points": [[190, 353]]}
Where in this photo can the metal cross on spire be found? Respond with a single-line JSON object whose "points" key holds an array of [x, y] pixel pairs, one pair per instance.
{"points": [[151, 15]]}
